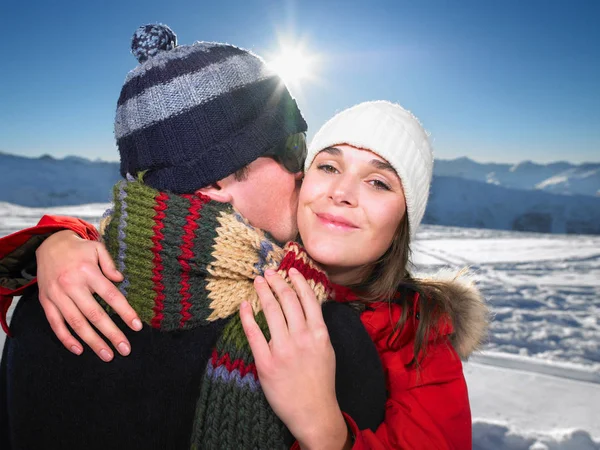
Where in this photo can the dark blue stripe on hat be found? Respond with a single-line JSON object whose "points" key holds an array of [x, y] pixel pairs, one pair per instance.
{"points": [[246, 121], [194, 62]]}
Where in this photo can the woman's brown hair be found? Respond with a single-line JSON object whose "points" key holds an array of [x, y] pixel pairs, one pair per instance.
{"points": [[390, 279]]}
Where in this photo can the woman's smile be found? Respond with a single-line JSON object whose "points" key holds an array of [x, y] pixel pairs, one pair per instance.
{"points": [[335, 223]]}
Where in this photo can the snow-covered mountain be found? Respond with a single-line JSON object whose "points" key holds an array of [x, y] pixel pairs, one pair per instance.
{"points": [[559, 178], [466, 203], [46, 181], [464, 193]]}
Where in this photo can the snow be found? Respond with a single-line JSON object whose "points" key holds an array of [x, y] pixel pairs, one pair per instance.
{"points": [[519, 409], [536, 385], [573, 181], [14, 218], [544, 289]]}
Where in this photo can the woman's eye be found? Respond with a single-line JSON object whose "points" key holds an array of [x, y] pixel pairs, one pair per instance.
{"points": [[327, 168], [378, 184]]}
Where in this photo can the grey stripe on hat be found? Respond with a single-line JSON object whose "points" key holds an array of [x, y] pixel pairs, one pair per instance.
{"points": [[192, 89], [163, 58], [193, 62]]}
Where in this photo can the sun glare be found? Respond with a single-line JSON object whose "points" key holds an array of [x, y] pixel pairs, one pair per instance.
{"points": [[294, 64]]}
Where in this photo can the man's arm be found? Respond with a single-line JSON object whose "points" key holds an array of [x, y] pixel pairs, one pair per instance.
{"points": [[70, 268]]}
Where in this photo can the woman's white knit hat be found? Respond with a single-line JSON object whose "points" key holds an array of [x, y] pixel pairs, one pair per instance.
{"points": [[393, 133]]}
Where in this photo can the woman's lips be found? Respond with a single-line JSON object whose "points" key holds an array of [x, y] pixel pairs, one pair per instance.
{"points": [[336, 222]]}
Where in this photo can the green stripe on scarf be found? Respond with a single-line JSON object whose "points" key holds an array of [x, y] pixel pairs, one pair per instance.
{"points": [[138, 241], [111, 237]]}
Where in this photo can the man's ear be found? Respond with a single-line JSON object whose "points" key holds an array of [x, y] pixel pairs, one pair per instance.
{"points": [[216, 193]]}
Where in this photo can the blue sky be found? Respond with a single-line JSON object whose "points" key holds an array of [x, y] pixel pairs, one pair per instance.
{"points": [[500, 81]]}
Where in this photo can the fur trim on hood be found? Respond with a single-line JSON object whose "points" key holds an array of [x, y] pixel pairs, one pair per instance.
{"points": [[467, 309]]}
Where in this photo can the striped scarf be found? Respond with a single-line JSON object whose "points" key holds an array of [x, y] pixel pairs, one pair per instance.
{"points": [[188, 261]]}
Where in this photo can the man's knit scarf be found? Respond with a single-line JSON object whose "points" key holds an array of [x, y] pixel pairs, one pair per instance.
{"points": [[188, 261]]}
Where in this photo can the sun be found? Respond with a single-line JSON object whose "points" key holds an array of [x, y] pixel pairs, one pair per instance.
{"points": [[294, 63]]}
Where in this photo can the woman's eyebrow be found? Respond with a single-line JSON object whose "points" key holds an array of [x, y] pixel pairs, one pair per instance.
{"points": [[377, 163], [382, 165], [332, 151]]}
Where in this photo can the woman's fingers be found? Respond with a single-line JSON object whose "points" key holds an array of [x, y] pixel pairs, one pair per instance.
{"points": [[109, 292], [68, 272], [115, 299], [57, 323], [98, 317], [256, 338], [80, 325], [288, 299], [271, 309], [108, 265], [310, 305]]}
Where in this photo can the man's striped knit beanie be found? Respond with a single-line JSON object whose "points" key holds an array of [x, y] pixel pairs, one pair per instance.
{"points": [[191, 115]]}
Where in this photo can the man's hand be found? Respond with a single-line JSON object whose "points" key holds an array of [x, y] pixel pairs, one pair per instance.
{"points": [[69, 271]]}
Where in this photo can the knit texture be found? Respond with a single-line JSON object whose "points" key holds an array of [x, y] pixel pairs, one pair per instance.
{"points": [[148, 40], [393, 133], [188, 261], [193, 114]]}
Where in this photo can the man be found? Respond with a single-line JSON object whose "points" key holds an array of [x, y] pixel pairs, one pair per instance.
{"points": [[207, 119]]}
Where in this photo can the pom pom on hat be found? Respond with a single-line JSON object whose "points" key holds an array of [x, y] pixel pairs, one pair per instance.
{"points": [[149, 40], [393, 133]]}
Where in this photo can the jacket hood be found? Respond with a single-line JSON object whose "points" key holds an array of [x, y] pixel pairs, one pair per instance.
{"points": [[467, 310]]}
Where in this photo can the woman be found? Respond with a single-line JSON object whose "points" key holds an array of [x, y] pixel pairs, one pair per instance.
{"points": [[365, 189]]}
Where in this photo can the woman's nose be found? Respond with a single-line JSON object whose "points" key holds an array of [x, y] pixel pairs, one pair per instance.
{"points": [[345, 191]]}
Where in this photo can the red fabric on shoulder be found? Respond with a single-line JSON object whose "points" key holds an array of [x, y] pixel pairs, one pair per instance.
{"points": [[427, 408], [47, 225]]}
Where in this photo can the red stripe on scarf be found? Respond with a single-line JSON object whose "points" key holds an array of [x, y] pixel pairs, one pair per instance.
{"points": [[157, 268], [238, 364], [293, 259], [187, 254]]}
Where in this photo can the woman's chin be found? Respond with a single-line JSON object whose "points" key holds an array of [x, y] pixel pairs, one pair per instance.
{"points": [[328, 255], [321, 252]]}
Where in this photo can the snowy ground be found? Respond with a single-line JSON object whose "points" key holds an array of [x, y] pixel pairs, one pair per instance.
{"points": [[14, 218], [537, 384], [544, 289]]}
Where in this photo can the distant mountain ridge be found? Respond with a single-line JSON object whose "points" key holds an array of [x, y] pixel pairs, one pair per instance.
{"points": [[558, 178], [47, 181], [464, 192], [466, 203]]}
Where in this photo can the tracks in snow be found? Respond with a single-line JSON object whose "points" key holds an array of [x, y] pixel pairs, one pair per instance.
{"points": [[555, 369]]}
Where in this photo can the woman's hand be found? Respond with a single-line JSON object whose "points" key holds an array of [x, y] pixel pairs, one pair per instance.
{"points": [[297, 367], [69, 271]]}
